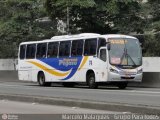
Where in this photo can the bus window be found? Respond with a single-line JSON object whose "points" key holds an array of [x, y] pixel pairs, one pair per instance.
{"points": [[30, 51], [22, 51], [52, 49], [101, 43], [103, 54], [41, 50], [64, 48], [90, 46], [77, 48]]}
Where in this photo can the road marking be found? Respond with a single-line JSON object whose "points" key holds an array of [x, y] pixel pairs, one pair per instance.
{"points": [[144, 91], [134, 91]]}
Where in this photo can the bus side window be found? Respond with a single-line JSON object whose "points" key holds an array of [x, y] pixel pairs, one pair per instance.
{"points": [[103, 54], [41, 50], [52, 49], [90, 47], [31, 48], [22, 51], [77, 48], [101, 43], [64, 49]]}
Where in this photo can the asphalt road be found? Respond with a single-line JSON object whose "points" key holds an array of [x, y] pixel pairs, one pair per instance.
{"points": [[12, 107], [130, 96], [35, 111]]}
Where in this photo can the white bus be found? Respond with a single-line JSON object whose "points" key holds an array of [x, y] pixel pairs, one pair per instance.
{"points": [[88, 58]]}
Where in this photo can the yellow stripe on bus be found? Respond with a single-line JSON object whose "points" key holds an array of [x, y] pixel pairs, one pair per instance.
{"points": [[53, 72], [83, 62]]}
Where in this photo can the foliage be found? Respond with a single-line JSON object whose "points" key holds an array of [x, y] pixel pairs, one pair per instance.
{"points": [[150, 44], [151, 14], [19, 22], [99, 16]]}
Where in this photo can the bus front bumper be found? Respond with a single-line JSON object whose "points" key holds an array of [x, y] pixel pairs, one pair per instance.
{"points": [[115, 77]]}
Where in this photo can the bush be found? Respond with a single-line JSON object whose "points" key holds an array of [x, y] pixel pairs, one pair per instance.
{"points": [[150, 44]]}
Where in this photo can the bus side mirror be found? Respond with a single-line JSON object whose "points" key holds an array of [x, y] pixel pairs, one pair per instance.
{"points": [[109, 46]]}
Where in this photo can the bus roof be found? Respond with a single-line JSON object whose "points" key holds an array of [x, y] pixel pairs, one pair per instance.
{"points": [[82, 35], [31, 42], [117, 36], [79, 36]]}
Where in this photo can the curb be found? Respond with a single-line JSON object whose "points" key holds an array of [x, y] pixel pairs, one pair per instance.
{"points": [[83, 104]]}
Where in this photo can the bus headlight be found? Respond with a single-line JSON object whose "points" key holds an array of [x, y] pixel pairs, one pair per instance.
{"points": [[113, 70], [140, 71]]}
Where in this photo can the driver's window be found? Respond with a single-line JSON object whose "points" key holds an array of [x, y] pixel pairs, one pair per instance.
{"points": [[103, 54]]}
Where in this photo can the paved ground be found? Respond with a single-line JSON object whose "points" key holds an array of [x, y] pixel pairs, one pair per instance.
{"points": [[132, 99], [131, 95], [33, 111], [12, 107]]}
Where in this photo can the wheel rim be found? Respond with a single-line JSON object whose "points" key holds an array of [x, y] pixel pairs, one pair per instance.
{"points": [[91, 80]]}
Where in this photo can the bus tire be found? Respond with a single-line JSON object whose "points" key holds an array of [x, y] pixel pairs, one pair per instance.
{"points": [[122, 85], [41, 80], [91, 81]]}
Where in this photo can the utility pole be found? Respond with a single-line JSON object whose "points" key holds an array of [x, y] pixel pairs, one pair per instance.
{"points": [[68, 30]]}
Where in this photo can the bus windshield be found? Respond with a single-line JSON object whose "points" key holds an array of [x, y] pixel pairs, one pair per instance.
{"points": [[125, 52]]}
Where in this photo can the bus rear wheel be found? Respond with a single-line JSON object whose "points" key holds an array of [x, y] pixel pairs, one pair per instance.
{"points": [[91, 81], [41, 80]]}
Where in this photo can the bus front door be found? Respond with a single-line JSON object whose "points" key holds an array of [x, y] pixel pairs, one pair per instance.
{"points": [[102, 66]]}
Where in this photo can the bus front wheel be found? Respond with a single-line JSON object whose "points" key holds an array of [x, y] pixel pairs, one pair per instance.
{"points": [[91, 81], [41, 80], [122, 85]]}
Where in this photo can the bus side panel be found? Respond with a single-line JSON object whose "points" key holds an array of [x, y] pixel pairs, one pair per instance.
{"points": [[34, 73], [24, 70], [94, 64], [50, 77], [80, 75], [22, 75], [99, 68], [60, 69]]}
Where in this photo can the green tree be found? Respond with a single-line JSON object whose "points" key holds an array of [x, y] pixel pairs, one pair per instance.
{"points": [[100, 16], [150, 12], [154, 15], [19, 21], [128, 18]]}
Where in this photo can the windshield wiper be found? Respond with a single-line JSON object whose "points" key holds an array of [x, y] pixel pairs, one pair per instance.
{"points": [[131, 59], [125, 54]]}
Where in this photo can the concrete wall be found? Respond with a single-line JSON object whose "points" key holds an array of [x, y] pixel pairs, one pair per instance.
{"points": [[8, 64], [8, 71], [151, 68], [151, 64]]}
